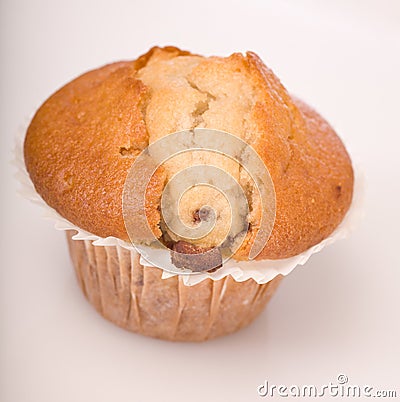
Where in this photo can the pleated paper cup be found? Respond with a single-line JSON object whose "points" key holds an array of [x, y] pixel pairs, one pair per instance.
{"points": [[136, 298]]}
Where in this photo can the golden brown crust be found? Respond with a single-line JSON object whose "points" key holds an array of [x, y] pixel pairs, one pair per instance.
{"points": [[313, 177], [83, 140]]}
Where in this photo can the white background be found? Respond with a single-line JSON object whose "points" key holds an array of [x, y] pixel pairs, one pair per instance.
{"points": [[338, 314]]}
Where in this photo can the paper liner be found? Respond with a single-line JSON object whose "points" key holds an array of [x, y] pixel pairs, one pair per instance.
{"points": [[261, 271], [136, 298]]}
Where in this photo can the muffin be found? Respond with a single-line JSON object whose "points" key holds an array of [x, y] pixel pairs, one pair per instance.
{"points": [[83, 142]]}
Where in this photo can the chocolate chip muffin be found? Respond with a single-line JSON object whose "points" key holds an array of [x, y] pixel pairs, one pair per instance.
{"points": [[84, 139]]}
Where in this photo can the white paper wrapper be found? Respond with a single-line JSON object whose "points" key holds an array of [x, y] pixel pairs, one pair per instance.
{"points": [[261, 271]]}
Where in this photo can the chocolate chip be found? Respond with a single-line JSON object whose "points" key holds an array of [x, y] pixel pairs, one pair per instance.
{"points": [[186, 255], [202, 214]]}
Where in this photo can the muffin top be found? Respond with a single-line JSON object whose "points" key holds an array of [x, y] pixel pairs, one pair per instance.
{"points": [[83, 140]]}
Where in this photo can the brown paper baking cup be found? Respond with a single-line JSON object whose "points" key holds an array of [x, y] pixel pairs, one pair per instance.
{"points": [[136, 298]]}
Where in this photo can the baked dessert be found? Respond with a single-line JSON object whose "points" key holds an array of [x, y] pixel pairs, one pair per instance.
{"points": [[84, 139]]}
